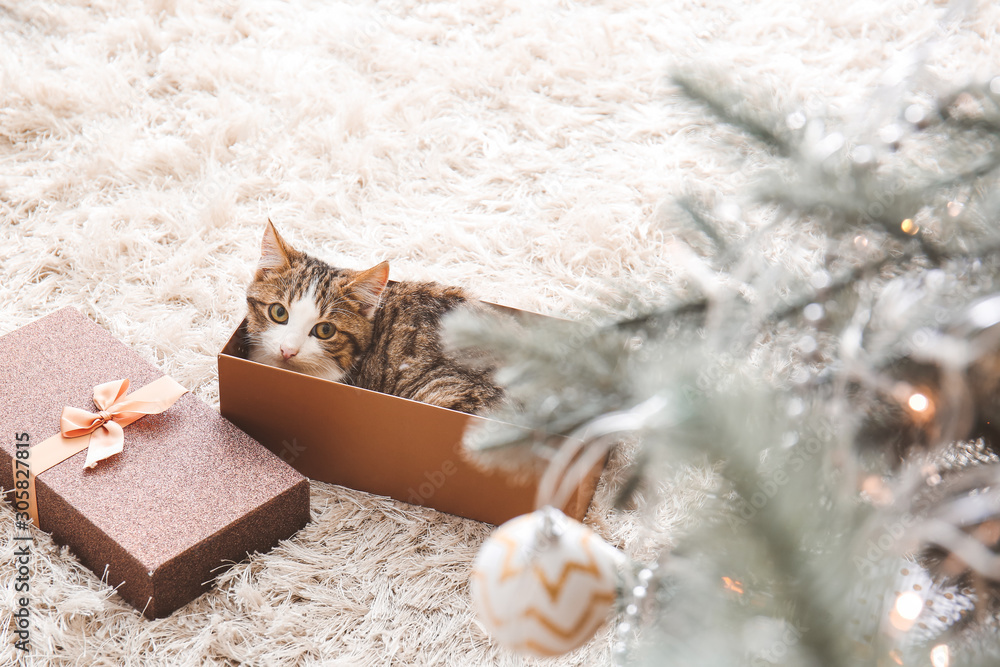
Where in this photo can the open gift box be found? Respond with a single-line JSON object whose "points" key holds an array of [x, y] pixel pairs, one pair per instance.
{"points": [[374, 442]]}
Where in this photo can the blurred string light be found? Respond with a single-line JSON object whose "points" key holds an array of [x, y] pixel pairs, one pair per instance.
{"points": [[813, 312], [732, 585], [862, 154], [915, 113], [820, 279], [890, 134], [909, 605], [807, 344], [829, 145], [879, 493], [796, 120], [908, 226], [940, 656], [918, 402]]}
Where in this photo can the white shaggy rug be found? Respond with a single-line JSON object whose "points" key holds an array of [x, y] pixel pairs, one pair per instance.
{"points": [[520, 148]]}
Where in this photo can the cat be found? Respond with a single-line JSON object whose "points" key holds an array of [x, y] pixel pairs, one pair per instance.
{"points": [[357, 328]]}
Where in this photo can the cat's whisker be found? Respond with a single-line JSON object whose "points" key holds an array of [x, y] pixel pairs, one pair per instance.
{"points": [[342, 311]]}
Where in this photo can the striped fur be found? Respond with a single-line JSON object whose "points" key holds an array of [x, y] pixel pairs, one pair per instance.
{"points": [[386, 338]]}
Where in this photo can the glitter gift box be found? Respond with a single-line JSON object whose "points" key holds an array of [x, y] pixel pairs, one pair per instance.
{"points": [[189, 493], [375, 442]]}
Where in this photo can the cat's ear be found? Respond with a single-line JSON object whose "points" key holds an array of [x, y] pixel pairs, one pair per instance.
{"points": [[274, 252], [367, 287]]}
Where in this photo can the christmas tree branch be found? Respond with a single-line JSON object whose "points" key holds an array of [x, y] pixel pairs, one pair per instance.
{"points": [[732, 108], [701, 222]]}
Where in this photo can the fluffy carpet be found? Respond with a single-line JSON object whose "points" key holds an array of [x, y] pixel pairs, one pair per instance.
{"points": [[522, 149]]}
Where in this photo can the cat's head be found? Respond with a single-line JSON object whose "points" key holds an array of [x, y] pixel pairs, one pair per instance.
{"points": [[305, 315]]}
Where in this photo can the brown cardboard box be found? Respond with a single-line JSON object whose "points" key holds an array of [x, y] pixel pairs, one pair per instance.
{"points": [[189, 494], [372, 442]]}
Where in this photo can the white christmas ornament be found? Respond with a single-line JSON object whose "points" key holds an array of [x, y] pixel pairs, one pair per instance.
{"points": [[542, 583]]}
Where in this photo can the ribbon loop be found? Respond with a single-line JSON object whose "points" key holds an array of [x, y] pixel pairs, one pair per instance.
{"points": [[114, 413], [108, 393], [101, 434]]}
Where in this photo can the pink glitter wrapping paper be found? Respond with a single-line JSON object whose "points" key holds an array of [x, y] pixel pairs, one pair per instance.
{"points": [[189, 494]]}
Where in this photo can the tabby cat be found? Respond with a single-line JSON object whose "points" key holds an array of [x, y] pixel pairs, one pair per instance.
{"points": [[354, 327]]}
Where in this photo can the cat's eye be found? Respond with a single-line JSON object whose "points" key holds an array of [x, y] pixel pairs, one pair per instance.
{"points": [[278, 313], [323, 330]]}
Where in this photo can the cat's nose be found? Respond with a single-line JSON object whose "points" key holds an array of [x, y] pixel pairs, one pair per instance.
{"points": [[288, 352]]}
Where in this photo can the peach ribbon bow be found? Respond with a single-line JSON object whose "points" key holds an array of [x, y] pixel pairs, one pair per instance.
{"points": [[104, 428], [114, 413]]}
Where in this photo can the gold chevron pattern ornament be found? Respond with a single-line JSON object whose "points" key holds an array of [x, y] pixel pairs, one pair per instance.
{"points": [[542, 584]]}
